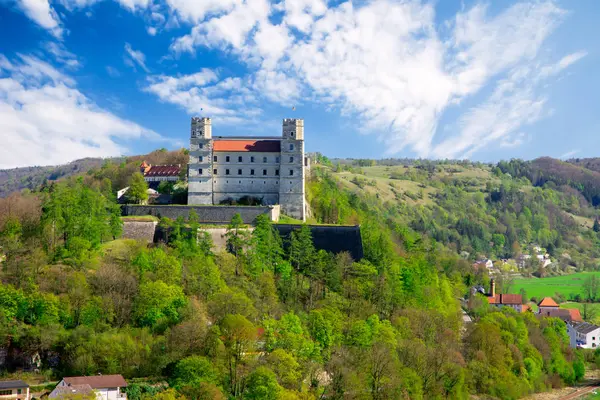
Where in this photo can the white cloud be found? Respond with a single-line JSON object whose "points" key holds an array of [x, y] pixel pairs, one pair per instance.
{"points": [[300, 14], [135, 57], [151, 31], [63, 56], [42, 14], [47, 120], [389, 65], [569, 154], [514, 103], [203, 93], [229, 30]]}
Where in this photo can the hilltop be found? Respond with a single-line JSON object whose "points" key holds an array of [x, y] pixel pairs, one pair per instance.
{"points": [[281, 319]]}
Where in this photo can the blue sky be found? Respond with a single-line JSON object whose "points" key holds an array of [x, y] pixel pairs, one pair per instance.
{"points": [[382, 78]]}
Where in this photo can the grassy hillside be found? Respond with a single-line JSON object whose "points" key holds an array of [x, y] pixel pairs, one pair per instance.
{"points": [[548, 287], [475, 209]]}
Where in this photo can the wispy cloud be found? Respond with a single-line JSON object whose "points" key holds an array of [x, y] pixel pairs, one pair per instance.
{"points": [[46, 118], [43, 15], [390, 65], [569, 154], [61, 55], [135, 57]]}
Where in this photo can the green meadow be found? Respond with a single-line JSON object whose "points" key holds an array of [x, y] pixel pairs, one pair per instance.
{"points": [[542, 287]]}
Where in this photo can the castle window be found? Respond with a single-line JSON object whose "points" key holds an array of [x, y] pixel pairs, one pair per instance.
{"points": [[252, 159], [277, 172], [251, 172], [264, 171], [277, 159], [201, 158], [291, 159], [264, 159], [226, 172], [291, 172], [214, 171], [292, 133], [215, 158], [240, 159], [291, 147], [226, 158], [239, 171], [200, 171], [200, 146]]}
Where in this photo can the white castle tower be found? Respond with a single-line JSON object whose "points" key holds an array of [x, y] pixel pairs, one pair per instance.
{"points": [[200, 164]]}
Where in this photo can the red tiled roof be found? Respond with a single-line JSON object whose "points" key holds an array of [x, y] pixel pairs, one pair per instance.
{"points": [[144, 164], [548, 302], [525, 308], [266, 146], [575, 315], [505, 299], [97, 381], [163, 170]]}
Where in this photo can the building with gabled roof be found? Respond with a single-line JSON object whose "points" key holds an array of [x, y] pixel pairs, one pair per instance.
{"points": [[583, 335], [160, 173], [514, 301], [106, 387], [14, 390]]}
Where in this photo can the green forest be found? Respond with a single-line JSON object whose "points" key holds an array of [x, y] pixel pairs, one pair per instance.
{"points": [[280, 320]]}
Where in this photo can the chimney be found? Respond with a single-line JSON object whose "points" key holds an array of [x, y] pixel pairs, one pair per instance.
{"points": [[492, 288]]}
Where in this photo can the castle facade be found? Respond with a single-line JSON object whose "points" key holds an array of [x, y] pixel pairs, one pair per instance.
{"points": [[271, 169]]}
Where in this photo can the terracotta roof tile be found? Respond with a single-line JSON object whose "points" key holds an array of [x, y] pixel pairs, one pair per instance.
{"points": [[266, 146], [575, 315], [97, 381], [547, 302], [163, 170], [505, 299]]}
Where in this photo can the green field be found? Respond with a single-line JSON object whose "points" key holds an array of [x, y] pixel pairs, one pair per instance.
{"points": [[542, 287]]}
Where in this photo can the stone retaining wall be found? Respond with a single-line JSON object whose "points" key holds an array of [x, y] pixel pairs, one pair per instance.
{"points": [[206, 214]]}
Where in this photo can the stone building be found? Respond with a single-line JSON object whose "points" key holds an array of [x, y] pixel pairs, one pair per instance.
{"points": [[271, 169]]}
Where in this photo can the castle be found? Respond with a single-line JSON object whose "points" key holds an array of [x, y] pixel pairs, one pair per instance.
{"points": [[272, 169]]}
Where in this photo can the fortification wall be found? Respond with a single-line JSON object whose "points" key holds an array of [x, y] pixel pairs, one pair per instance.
{"points": [[206, 214], [334, 239]]}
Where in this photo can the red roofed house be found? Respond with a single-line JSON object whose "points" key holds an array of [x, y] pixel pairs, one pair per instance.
{"points": [[106, 387], [547, 306], [514, 301], [159, 173], [226, 168]]}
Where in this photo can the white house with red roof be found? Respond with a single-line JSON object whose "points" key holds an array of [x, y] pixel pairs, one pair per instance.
{"points": [[272, 169], [106, 387]]}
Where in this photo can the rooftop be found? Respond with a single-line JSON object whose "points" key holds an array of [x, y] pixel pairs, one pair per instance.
{"points": [[585, 327], [61, 391], [163, 170], [97, 381], [500, 298], [247, 145], [547, 302], [13, 384]]}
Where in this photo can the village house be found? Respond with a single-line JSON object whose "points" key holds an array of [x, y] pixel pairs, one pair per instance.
{"points": [[14, 390], [160, 173], [514, 301], [484, 263], [106, 387], [546, 306], [583, 335]]}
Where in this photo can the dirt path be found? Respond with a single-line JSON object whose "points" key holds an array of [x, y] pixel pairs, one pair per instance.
{"points": [[581, 392]]}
